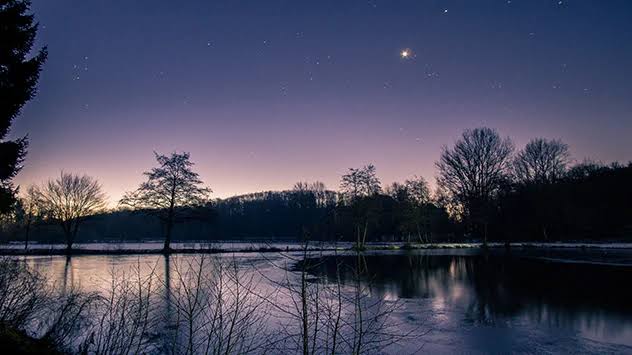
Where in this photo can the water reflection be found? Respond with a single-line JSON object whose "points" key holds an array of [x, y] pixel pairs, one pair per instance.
{"points": [[474, 301], [497, 289]]}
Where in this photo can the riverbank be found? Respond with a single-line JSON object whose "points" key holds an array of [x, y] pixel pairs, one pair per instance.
{"points": [[258, 247]]}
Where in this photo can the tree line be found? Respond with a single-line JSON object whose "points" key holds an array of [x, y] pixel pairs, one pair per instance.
{"points": [[485, 191]]}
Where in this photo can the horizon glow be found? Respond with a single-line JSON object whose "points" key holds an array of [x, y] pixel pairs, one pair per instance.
{"points": [[265, 94]]}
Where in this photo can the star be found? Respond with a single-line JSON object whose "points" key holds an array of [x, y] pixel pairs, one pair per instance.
{"points": [[406, 53]]}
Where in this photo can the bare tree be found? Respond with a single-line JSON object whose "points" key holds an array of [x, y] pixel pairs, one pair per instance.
{"points": [[28, 212], [23, 294], [418, 190], [170, 188], [472, 172], [541, 161], [317, 189], [216, 310], [30, 302], [322, 317], [123, 315], [359, 188], [413, 196], [360, 182], [69, 200]]}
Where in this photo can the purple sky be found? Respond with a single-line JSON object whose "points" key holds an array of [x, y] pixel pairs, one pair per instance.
{"points": [[267, 93]]}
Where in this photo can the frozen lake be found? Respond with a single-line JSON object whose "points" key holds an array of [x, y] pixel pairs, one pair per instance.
{"points": [[453, 300]]}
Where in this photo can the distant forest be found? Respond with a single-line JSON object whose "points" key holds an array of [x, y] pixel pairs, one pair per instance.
{"points": [[270, 215], [486, 190], [588, 202]]}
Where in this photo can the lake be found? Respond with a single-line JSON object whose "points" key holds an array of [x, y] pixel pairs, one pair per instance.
{"points": [[447, 300]]}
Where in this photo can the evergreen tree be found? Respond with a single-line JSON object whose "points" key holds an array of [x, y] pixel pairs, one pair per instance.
{"points": [[18, 79]]}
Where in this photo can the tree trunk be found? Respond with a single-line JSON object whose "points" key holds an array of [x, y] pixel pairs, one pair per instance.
{"points": [[26, 235], [366, 228], [68, 244], [71, 235], [419, 236], [67, 228], [172, 204], [167, 246]]}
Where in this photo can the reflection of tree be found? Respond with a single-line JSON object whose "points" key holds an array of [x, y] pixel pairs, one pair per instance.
{"points": [[330, 317], [167, 297], [68, 276], [496, 286]]}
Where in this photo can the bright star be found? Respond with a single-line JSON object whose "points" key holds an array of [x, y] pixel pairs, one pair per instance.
{"points": [[405, 54]]}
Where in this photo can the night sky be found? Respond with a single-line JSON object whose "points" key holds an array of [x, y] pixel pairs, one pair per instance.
{"points": [[264, 93]]}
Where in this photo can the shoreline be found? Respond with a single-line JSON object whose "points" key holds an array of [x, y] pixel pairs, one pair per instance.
{"points": [[271, 248]]}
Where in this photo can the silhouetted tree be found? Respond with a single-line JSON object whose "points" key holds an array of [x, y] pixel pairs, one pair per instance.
{"points": [[18, 80], [413, 198], [361, 182], [68, 201], [170, 191], [585, 170], [360, 189], [309, 203], [541, 161], [290, 214], [27, 212], [590, 201], [317, 189], [418, 190], [473, 171]]}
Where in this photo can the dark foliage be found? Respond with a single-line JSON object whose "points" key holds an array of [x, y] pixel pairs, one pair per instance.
{"points": [[271, 215], [18, 80], [473, 171], [591, 201], [276, 214]]}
